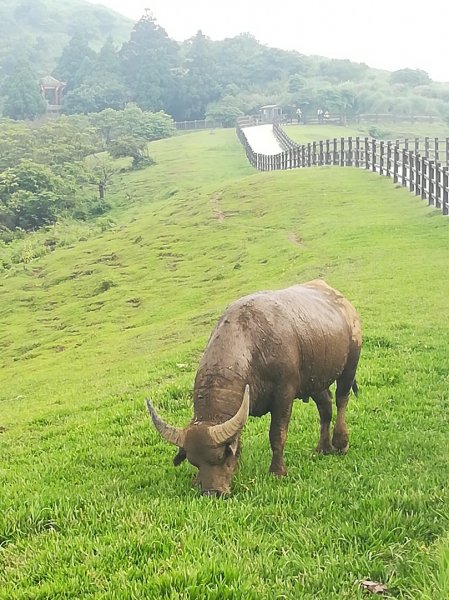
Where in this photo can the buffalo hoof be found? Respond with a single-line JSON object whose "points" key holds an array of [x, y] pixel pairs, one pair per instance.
{"points": [[340, 443], [325, 449], [278, 471]]}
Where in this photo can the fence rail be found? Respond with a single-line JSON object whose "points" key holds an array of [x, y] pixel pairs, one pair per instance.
{"points": [[336, 119], [411, 163], [202, 124], [308, 119]]}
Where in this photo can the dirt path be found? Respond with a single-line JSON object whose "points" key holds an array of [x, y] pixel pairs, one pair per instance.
{"points": [[216, 207], [294, 239]]}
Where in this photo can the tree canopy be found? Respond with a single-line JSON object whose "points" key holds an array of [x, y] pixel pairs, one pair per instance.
{"points": [[201, 78]]}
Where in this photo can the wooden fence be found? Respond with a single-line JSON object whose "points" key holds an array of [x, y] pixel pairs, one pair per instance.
{"points": [[192, 125], [410, 163], [335, 119]]}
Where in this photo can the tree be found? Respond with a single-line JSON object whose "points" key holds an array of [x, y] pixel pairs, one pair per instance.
{"points": [[90, 98], [132, 121], [23, 98], [199, 86], [33, 210], [28, 195], [16, 142], [147, 62], [99, 84], [410, 77], [339, 70], [296, 84], [64, 140], [226, 110], [75, 62], [134, 147], [102, 170]]}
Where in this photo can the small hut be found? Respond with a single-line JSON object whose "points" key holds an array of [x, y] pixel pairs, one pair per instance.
{"points": [[271, 113], [52, 91]]}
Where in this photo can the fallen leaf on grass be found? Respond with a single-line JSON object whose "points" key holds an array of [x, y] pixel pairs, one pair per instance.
{"points": [[374, 587]]}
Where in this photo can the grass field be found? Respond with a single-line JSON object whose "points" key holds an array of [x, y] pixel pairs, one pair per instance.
{"points": [[90, 504], [304, 134]]}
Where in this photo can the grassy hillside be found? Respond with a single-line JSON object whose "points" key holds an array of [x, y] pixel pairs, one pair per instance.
{"points": [[90, 504], [39, 29]]}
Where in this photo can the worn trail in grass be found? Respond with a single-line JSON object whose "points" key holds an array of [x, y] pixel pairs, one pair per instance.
{"points": [[90, 505]]}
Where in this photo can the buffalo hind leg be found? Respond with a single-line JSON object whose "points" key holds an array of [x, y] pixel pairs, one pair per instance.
{"points": [[323, 403], [340, 438], [280, 418]]}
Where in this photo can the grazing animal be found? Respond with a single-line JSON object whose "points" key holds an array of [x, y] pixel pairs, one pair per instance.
{"points": [[268, 348]]}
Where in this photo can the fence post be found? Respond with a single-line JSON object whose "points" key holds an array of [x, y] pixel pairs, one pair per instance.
{"points": [[431, 199], [404, 167], [373, 154], [424, 178], [335, 152], [321, 155], [412, 171], [438, 185], [357, 151], [309, 155], [447, 151], [349, 155], [426, 147], [445, 191], [342, 152], [395, 163], [328, 157], [418, 181], [367, 161], [388, 173], [381, 158], [417, 145], [437, 150], [314, 153]]}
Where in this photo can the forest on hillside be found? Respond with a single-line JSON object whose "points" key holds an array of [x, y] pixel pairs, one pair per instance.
{"points": [[201, 78]]}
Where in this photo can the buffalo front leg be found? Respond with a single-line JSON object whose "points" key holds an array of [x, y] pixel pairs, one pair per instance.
{"points": [[323, 403], [280, 418]]}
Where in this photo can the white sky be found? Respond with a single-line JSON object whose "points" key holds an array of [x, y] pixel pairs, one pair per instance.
{"points": [[388, 34]]}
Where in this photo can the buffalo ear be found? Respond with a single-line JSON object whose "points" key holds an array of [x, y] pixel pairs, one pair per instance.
{"points": [[232, 447], [179, 457]]}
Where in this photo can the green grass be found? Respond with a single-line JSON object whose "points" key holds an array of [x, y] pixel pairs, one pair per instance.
{"points": [[90, 505], [304, 134]]}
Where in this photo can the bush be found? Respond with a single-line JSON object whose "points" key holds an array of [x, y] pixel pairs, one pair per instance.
{"points": [[380, 134]]}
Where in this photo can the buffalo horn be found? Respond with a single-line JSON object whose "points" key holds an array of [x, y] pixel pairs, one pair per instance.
{"points": [[227, 430], [171, 434]]}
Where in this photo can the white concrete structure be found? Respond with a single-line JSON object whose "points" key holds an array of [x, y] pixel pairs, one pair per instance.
{"points": [[262, 139]]}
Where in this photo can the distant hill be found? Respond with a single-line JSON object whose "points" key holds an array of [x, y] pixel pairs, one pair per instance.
{"points": [[38, 30]]}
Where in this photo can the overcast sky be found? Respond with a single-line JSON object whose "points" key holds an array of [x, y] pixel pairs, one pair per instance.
{"points": [[389, 34]]}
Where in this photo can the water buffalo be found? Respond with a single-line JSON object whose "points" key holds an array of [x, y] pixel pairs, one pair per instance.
{"points": [[268, 349]]}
